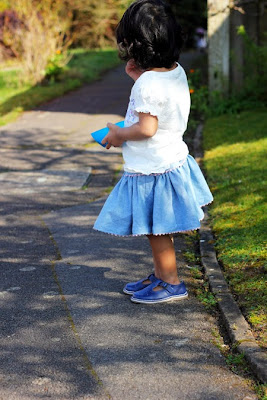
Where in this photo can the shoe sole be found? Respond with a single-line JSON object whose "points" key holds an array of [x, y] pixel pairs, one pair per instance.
{"points": [[125, 291], [168, 299]]}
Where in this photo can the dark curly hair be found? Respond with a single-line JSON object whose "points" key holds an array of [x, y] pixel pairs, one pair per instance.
{"points": [[149, 33]]}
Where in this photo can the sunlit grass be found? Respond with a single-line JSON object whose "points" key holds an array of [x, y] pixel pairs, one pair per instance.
{"points": [[85, 66], [236, 164]]}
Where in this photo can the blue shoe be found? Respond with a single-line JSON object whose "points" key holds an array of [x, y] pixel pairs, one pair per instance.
{"points": [[133, 287], [167, 292]]}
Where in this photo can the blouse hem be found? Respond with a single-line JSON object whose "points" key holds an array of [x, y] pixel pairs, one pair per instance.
{"points": [[133, 174]]}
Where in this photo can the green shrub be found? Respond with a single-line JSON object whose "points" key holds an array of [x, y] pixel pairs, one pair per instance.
{"points": [[254, 69], [43, 32], [95, 21]]}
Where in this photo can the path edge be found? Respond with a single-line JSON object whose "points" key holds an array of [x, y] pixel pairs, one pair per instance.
{"points": [[236, 325]]}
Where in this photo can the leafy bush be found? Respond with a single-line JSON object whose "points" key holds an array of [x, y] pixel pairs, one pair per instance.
{"points": [[95, 21], [255, 73], [43, 31], [10, 21], [4, 4]]}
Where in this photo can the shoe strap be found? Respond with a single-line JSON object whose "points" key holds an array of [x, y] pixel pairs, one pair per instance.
{"points": [[155, 283], [167, 286], [152, 277]]}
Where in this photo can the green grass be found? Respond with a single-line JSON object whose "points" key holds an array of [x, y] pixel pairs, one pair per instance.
{"points": [[261, 391], [85, 66], [199, 285], [236, 163], [90, 64]]}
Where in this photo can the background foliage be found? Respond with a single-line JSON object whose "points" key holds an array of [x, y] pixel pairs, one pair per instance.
{"points": [[36, 32], [95, 21], [92, 22], [191, 15]]}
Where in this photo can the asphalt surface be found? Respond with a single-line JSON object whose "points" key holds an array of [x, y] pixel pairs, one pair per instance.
{"points": [[67, 330]]}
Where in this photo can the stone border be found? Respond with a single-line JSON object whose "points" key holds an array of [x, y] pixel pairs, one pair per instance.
{"points": [[237, 327]]}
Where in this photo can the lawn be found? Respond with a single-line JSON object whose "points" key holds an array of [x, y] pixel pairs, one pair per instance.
{"points": [[85, 66], [235, 162]]}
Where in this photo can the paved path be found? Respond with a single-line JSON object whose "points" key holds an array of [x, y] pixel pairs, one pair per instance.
{"points": [[68, 332]]}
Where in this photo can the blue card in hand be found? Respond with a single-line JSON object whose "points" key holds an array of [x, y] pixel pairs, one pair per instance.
{"points": [[98, 136]]}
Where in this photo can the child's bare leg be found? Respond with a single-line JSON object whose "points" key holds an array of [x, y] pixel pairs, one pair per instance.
{"points": [[164, 258]]}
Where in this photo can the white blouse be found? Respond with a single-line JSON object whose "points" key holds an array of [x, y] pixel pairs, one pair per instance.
{"points": [[165, 95]]}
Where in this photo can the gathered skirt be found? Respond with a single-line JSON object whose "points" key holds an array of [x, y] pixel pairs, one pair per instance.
{"points": [[156, 204]]}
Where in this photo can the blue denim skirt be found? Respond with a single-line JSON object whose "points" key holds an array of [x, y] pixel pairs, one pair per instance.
{"points": [[157, 204]]}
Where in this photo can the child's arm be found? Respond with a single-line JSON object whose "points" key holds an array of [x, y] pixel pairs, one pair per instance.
{"points": [[145, 128]]}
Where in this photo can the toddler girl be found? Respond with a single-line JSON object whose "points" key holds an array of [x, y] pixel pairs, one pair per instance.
{"points": [[162, 189]]}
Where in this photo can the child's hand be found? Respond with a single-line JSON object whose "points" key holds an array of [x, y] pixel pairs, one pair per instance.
{"points": [[113, 138], [132, 70]]}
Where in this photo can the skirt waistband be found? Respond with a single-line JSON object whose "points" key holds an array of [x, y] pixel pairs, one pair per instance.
{"points": [[173, 167]]}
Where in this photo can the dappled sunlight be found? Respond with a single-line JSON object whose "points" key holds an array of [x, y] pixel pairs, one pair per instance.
{"points": [[64, 307]]}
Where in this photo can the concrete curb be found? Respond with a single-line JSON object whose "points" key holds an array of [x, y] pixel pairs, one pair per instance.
{"points": [[237, 327]]}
